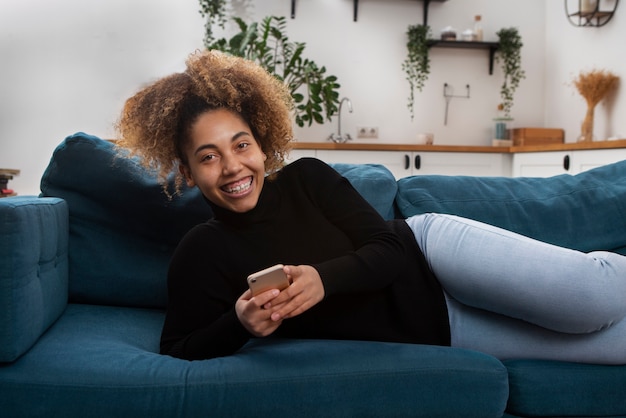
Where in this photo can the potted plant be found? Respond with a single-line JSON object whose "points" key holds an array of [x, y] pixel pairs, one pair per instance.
{"points": [[315, 94], [510, 57], [215, 13], [417, 63]]}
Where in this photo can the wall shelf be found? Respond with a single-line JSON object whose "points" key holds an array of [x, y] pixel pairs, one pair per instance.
{"points": [[356, 9], [492, 47], [426, 3]]}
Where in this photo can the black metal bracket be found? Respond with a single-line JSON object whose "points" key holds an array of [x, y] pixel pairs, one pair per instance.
{"points": [[425, 18]]}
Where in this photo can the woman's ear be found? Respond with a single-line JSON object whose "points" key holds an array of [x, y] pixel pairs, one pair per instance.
{"points": [[186, 172]]}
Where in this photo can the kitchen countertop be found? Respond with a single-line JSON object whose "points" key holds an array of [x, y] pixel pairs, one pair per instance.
{"points": [[378, 146]]}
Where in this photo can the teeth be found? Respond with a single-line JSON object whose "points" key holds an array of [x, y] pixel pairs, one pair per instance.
{"points": [[240, 188]]}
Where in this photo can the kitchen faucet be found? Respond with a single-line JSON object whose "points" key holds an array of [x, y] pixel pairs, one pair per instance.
{"points": [[338, 137]]}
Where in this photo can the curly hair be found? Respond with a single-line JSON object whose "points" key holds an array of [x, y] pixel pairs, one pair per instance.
{"points": [[156, 122]]}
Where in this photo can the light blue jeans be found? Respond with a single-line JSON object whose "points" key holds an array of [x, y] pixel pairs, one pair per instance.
{"points": [[515, 297]]}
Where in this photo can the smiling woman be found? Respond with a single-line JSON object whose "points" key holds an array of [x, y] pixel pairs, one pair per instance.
{"points": [[429, 279], [156, 122]]}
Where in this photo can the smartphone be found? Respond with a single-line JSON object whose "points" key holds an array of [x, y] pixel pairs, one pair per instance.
{"points": [[271, 278]]}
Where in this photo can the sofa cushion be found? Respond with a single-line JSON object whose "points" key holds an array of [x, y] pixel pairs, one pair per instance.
{"points": [[33, 270], [558, 389], [123, 228], [585, 212], [100, 358], [374, 182]]}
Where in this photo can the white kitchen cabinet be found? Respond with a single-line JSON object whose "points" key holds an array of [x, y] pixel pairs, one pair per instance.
{"points": [[471, 161], [393, 160], [546, 164], [588, 159], [408, 163], [542, 164], [461, 163]]}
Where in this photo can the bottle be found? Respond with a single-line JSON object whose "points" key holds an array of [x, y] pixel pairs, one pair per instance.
{"points": [[478, 29], [588, 6]]}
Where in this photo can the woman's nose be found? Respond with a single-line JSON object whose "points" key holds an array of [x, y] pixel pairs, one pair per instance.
{"points": [[230, 164]]}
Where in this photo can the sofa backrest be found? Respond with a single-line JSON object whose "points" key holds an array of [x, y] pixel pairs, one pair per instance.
{"points": [[585, 212], [123, 229]]}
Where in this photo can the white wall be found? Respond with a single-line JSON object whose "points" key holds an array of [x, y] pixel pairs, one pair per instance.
{"points": [[68, 65], [367, 55], [570, 50]]}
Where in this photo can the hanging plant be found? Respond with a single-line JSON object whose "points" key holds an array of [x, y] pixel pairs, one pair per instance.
{"points": [[215, 13], [417, 63], [315, 94], [509, 55]]}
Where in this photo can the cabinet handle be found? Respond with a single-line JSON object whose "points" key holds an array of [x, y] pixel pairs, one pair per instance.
{"points": [[418, 162], [566, 163], [407, 162]]}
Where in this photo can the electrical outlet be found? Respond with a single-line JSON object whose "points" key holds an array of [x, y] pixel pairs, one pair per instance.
{"points": [[367, 132]]}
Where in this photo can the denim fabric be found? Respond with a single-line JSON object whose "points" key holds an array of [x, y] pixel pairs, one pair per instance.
{"points": [[507, 277]]}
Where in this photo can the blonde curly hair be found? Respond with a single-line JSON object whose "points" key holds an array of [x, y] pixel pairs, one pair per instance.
{"points": [[156, 122]]}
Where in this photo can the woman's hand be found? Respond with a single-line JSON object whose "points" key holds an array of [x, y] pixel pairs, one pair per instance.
{"points": [[261, 315], [306, 291], [253, 315]]}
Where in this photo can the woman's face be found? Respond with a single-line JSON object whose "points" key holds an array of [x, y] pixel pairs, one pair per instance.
{"points": [[225, 161]]}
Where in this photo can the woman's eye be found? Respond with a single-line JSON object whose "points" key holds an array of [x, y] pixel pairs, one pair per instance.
{"points": [[207, 158], [243, 145]]}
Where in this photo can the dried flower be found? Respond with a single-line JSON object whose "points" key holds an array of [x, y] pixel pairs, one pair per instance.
{"points": [[593, 86]]}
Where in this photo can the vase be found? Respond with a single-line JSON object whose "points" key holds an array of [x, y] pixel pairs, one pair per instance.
{"points": [[500, 128], [586, 128]]}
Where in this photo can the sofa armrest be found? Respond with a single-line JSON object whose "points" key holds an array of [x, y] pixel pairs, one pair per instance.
{"points": [[33, 270]]}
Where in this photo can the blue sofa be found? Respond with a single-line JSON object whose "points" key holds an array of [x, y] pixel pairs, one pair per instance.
{"points": [[83, 292]]}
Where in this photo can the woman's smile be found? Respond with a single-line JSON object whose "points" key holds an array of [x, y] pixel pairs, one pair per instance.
{"points": [[240, 187]]}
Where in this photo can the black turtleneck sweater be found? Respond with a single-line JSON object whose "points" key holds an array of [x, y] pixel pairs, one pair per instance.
{"points": [[376, 281]]}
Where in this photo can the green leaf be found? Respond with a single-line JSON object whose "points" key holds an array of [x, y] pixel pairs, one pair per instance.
{"points": [[267, 43], [315, 89]]}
